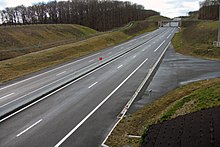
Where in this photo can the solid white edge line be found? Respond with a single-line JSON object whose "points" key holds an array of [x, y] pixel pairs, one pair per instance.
{"points": [[159, 45], [6, 96], [93, 85], [9, 116], [97, 107], [47, 72], [29, 128], [127, 106], [50, 83], [59, 68]]}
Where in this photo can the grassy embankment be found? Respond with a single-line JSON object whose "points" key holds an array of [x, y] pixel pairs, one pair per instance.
{"points": [[183, 100], [196, 39], [19, 40], [35, 61]]}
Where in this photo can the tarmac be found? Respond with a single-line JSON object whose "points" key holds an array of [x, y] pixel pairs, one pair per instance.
{"points": [[176, 70]]}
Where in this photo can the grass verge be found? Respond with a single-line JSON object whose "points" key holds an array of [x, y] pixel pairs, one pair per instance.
{"points": [[197, 40], [181, 101]]}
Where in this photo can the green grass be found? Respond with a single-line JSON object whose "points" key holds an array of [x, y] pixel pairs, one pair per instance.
{"points": [[32, 62], [197, 40], [186, 99]]}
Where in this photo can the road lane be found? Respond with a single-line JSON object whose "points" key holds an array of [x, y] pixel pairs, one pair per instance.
{"points": [[64, 110], [28, 86]]}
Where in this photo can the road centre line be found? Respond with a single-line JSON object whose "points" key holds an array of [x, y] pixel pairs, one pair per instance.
{"points": [[61, 73], [93, 85], [91, 60], [6, 96], [42, 88], [134, 56], [59, 89], [29, 128], [120, 66], [26, 107], [168, 36], [127, 106], [159, 46], [97, 107], [47, 72]]}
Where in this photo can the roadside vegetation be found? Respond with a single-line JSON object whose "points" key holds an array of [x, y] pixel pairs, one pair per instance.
{"points": [[186, 99], [157, 18], [35, 61], [19, 40], [196, 39]]}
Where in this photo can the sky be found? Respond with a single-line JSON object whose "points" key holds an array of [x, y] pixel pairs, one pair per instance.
{"points": [[169, 8]]}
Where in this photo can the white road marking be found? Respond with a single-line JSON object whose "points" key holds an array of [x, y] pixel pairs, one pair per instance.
{"points": [[127, 106], [47, 72], [109, 53], [134, 56], [6, 96], [61, 73], [97, 107], [120, 66], [91, 61], [29, 128], [154, 42], [143, 50], [168, 36], [93, 85], [159, 46], [28, 106]]}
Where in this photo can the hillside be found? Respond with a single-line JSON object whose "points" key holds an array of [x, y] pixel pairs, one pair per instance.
{"points": [[32, 62], [157, 18], [20, 40], [196, 39]]}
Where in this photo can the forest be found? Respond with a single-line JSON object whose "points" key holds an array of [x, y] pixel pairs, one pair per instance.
{"points": [[100, 15], [209, 10]]}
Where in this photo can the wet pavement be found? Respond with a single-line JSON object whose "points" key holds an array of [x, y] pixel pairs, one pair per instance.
{"points": [[174, 71]]}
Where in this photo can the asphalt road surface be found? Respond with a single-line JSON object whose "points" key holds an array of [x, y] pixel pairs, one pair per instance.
{"points": [[176, 70], [79, 113]]}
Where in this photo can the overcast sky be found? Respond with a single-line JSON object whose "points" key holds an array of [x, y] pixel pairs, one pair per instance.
{"points": [[170, 8]]}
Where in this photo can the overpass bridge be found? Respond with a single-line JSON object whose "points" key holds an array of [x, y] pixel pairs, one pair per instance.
{"points": [[170, 23]]}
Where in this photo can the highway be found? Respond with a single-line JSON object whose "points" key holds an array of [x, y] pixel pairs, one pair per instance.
{"points": [[78, 102]]}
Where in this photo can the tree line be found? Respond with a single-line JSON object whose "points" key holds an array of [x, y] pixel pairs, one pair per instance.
{"points": [[101, 15], [209, 10]]}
